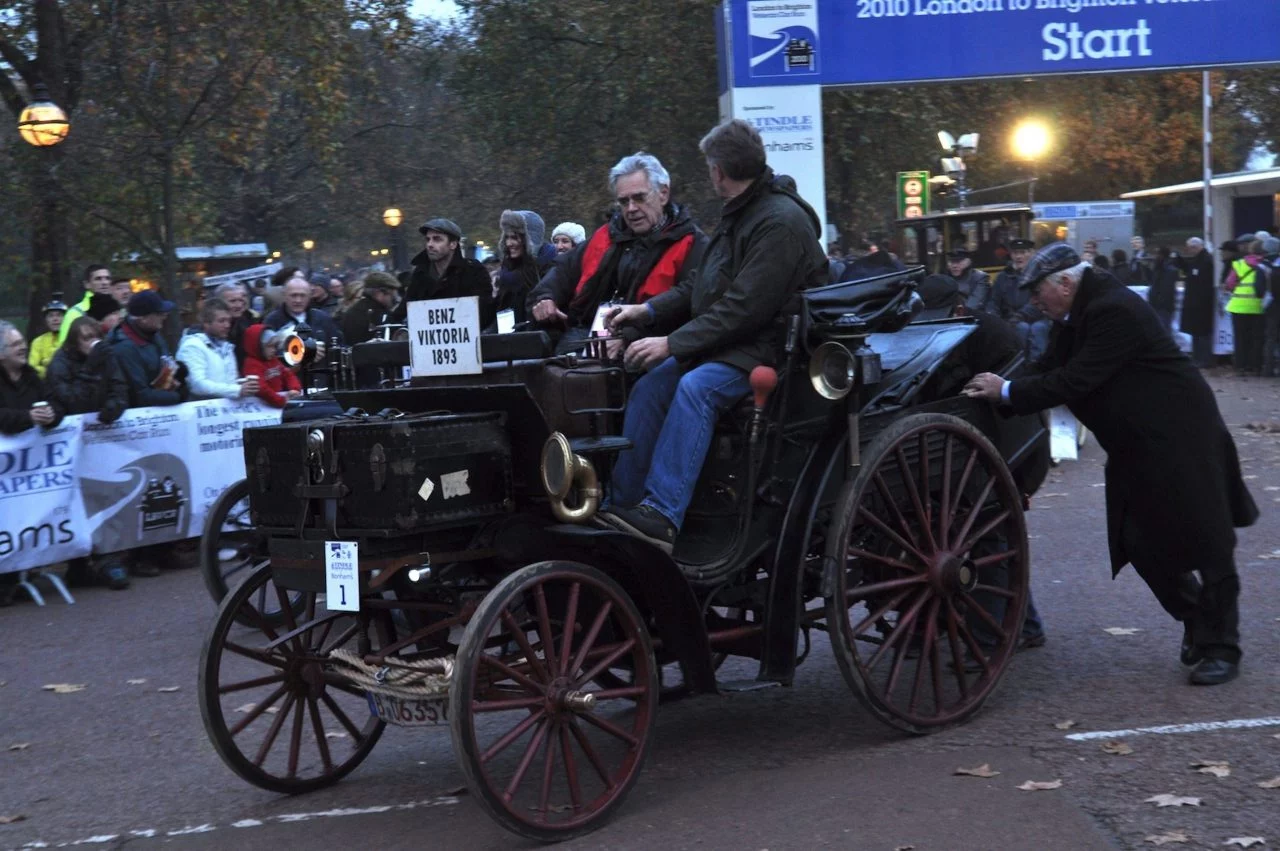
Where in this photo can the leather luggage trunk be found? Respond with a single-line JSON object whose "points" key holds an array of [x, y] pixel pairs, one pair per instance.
{"points": [[401, 475]]}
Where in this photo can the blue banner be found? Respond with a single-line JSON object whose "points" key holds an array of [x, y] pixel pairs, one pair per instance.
{"points": [[876, 42]]}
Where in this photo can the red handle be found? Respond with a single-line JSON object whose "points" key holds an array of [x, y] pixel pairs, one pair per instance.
{"points": [[764, 380]]}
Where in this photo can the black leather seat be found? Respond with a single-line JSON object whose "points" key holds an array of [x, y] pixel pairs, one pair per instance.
{"points": [[865, 306]]}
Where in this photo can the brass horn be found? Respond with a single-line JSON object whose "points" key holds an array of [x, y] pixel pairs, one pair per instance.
{"points": [[832, 370], [568, 477]]}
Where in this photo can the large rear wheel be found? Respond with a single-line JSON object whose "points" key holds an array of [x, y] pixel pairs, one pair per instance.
{"points": [[929, 573], [548, 752]]}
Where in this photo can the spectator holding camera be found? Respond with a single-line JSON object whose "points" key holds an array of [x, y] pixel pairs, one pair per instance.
{"points": [[84, 377], [276, 382], [24, 402], [211, 358], [154, 377]]}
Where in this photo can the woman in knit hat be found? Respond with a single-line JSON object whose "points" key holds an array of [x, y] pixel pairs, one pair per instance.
{"points": [[567, 236], [526, 256]]}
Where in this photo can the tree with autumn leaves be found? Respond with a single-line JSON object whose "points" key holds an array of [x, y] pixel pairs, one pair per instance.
{"points": [[197, 121]]}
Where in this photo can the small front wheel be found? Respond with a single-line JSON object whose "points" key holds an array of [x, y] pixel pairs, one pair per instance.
{"points": [[545, 750]]}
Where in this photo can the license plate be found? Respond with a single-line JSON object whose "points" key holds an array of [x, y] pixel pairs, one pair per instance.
{"points": [[424, 712]]}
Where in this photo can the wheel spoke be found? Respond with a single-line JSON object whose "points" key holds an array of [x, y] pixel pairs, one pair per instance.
{"points": [[895, 670], [342, 717], [548, 765], [512, 673], [570, 769], [925, 646], [885, 560], [248, 684], [610, 728], [887, 495], [998, 591], [975, 649], [944, 498], [286, 609], [506, 705], [592, 756], [566, 644], [861, 592], [975, 511], [912, 491], [984, 616], [522, 639], [955, 495], [616, 693], [511, 735], [295, 739], [935, 662], [898, 631], [995, 558], [256, 655], [987, 528], [588, 642], [544, 627], [343, 637], [257, 710], [893, 536], [338, 682], [957, 656], [529, 752], [879, 613], [321, 743], [274, 731], [618, 653]]}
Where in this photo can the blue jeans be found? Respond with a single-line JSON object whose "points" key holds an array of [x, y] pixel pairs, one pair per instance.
{"points": [[670, 419], [1035, 338]]}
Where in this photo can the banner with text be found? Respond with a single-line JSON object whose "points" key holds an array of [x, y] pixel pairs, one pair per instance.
{"points": [[148, 478]]}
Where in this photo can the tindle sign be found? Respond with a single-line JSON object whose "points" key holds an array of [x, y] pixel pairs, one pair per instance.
{"points": [[870, 42]]}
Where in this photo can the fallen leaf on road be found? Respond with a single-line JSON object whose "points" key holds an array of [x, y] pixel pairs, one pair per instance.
{"points": [[1273, 783], [335, 735], [248, 707], [1171, 800], [1122, 630], [1217, 769], [1099, 485], [983, 770], [1040, 785], [1272, 488], [904, 848], [1166, 838], [169, 689], [1249, 477], [62, 688], [1245, 841], [1117, 748], [136, 682], [12, 819], [1047, 495], [1065, 725], [1273, 553], [22, 746]]}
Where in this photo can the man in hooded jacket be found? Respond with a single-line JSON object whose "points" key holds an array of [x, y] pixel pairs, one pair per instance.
{"points": [[648, 245], [1174, 489], [718, 326]]}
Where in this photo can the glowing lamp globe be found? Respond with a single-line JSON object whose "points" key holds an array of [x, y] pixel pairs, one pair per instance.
{"points": [[392, 217], [43, 123], [1030, 140]]}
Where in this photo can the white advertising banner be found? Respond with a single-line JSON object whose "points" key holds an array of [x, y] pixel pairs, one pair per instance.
{"points": [[148, 478], [789, 119]]}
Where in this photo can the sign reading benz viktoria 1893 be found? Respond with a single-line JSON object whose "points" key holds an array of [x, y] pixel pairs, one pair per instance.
{"points": [[867, 42], [444, 336]]}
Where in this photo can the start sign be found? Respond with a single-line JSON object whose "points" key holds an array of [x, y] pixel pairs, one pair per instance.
{"points": [[444, 336]]}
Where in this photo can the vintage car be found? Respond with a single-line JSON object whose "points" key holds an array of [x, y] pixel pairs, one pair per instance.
{"points": [[856, 494], [982, 230]]}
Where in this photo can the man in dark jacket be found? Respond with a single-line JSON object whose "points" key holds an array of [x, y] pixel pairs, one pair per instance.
{"points": [[1199, 301], [373, 308], [974, 285], [1013, 304], [297, 309], [1174, 489], [441, 271], [718, 326], [644, 249], [24, 403], [143, 355]]}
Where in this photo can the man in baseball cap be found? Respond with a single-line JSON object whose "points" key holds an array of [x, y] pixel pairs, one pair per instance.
{"points": [[441, 270], [1169, 454], [143, 353]]}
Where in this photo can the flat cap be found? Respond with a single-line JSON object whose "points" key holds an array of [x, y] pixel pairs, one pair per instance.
{"points": [[1020, 243], [957, 254], [380, 281], [444, 226], [1054, 257]]}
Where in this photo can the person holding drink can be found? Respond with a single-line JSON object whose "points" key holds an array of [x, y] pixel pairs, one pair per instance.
{"points": [[211, 357], [24, 401]]}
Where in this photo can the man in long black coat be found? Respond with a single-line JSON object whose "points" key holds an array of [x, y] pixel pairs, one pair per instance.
{"points": [[1174, 490], [1199, 300]]}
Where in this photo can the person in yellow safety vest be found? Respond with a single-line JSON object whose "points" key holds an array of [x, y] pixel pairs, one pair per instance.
{"points": [[45, 346], [1247, 284], [97, 279]]}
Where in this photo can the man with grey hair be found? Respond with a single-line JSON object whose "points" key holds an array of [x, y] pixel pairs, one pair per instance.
{"points": [[644, 250], [236, 298], [1199, 300], [1174, 489]]}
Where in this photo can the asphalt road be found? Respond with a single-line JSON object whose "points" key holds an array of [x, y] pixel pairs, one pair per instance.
{"points": [[122, 763]]}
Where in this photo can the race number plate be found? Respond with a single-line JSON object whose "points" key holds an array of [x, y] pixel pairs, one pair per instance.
{"points": [[425, 712]]}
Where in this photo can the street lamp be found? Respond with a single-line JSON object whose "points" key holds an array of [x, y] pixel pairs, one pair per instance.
{"points": [[1030, 142], [392, 218], [43, 123], [307, 246], [953, 164]]}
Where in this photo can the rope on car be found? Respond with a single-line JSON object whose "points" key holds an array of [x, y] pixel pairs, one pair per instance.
{"points": [[402, 678]]}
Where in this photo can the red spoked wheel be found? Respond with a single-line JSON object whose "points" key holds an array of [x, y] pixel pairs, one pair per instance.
{"points": [[547, 751], [274, 710], [929, 573]]}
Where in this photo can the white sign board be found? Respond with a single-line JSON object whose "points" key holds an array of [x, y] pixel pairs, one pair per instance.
{"points": [[341, 585], [1064, 432], [444, 336], [244, 275]]}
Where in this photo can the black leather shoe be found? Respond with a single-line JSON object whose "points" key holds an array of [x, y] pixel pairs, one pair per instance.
{"points": [[1190, 653], [1214, 672], [644, 522]]}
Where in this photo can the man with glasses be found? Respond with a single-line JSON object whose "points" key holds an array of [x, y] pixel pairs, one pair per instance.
{"points": [[1174, 489], [649, 245]]}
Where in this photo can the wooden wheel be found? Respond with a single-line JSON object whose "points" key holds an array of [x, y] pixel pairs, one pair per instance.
{"points": [[545, 750], [929, 582], [274, 712], [231, 548]]}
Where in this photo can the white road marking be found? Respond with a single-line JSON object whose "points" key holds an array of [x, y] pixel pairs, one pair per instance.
{"points": [[1168, 729], [286, 818]]}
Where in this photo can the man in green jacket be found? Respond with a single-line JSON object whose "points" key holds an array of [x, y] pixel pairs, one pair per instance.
{"points": [[97, 279], [706, 334]]}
